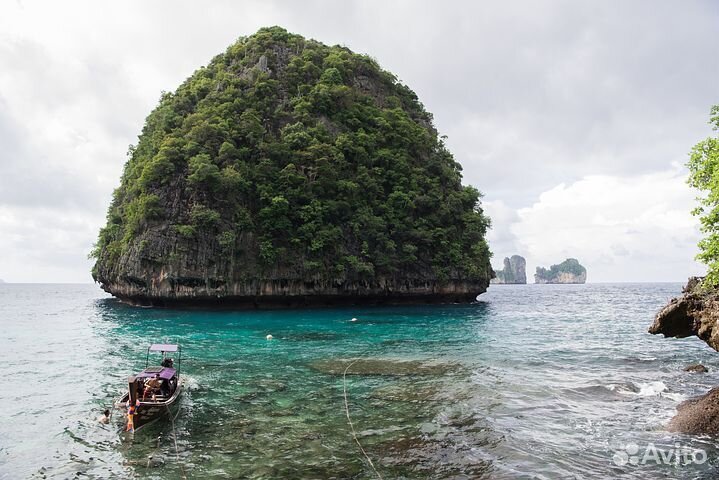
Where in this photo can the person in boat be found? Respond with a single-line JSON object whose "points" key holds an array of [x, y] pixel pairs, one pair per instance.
{"points": [[152, 386], [105, 417], [167, 363]]}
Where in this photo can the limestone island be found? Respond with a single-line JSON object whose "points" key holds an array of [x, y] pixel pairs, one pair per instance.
{"points": [[287, 172], [569, 271], [514, 272]]}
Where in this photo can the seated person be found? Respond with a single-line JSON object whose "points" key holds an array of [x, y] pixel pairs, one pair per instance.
{"points": [[167, 363], [152, 386]]}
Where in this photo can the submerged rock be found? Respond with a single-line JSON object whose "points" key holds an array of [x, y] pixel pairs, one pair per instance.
{"points": [[406, 393], [697, 368], [382, 366], [514, 272]]}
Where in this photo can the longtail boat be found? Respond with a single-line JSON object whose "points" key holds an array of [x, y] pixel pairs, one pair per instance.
{"points": [[154, 391]]}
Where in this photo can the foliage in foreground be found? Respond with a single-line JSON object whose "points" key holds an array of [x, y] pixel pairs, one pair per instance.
{"points": [[704, 176]]}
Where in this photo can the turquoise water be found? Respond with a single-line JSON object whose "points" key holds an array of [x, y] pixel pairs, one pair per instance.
{"points": [[530, 382]]}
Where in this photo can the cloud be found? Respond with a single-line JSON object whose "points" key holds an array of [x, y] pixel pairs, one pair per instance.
{"points": [[44, 244], [501, 238], [633, 228]]}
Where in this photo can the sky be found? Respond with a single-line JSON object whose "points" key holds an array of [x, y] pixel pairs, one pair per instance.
{"points": [[574, 119]]}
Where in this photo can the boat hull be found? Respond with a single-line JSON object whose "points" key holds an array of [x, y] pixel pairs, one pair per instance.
{"points": [[148, 411]]}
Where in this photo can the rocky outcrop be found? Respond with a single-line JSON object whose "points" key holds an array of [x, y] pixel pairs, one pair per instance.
{"points": [[694, 313], [698, 416], [514, 271], [286, 173], [569, 271], [696, 368]]}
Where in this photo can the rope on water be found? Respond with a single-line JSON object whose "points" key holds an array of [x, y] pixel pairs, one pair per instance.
{"points": [[349, 420], [174, 438]]}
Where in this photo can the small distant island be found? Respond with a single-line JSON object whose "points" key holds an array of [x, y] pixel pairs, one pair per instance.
{"points": [[569, 271], [514, 272]]}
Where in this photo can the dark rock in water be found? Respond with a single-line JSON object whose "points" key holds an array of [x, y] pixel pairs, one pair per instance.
{"points": [[698, 416], [287, 173], [697, 368], [380, 366], [514, 272]]}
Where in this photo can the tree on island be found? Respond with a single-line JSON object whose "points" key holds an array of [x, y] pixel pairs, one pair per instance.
{"points": [[288, 162], [570, 266], [704, 175]]}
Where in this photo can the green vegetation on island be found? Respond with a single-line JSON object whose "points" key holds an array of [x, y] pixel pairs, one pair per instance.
{"points": [[514, 271], [286, 160], [569, 271], [704, 175]]}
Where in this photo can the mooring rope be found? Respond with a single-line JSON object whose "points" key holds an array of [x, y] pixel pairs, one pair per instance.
{"points": [[349, 420], [174, 438]]}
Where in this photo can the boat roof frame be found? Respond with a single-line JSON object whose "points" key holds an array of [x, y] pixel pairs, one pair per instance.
{"points": [[163, 347]]}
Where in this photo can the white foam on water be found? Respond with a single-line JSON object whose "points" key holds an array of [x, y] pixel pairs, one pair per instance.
{"points": [[190, 383], [679, 397], [650, 389], [624, 388]]}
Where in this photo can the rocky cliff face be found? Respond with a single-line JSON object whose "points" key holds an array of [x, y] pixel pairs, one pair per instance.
{"points": [[514, 271], [569, 271], [694, 313], [562, 277], [288, 172]]}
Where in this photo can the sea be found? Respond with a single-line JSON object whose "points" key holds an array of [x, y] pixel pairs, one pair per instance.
{"points": [[529, 382]]}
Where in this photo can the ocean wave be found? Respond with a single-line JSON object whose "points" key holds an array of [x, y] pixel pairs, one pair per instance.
{"points": [[630, 389], [649, 389]]}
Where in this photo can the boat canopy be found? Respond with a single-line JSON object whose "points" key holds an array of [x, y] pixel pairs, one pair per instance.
{"points": [[163, 347], [165, 373]]}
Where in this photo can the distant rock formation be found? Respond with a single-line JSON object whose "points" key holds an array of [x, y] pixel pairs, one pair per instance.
{"points": [[514, 272], [569, 271]]}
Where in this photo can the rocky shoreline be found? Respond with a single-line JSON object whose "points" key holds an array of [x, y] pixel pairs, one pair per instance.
{"points": [[286, 293], [694, 313]]}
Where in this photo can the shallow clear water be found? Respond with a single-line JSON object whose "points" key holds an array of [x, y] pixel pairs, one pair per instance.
{"points": [[533, 381]]}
